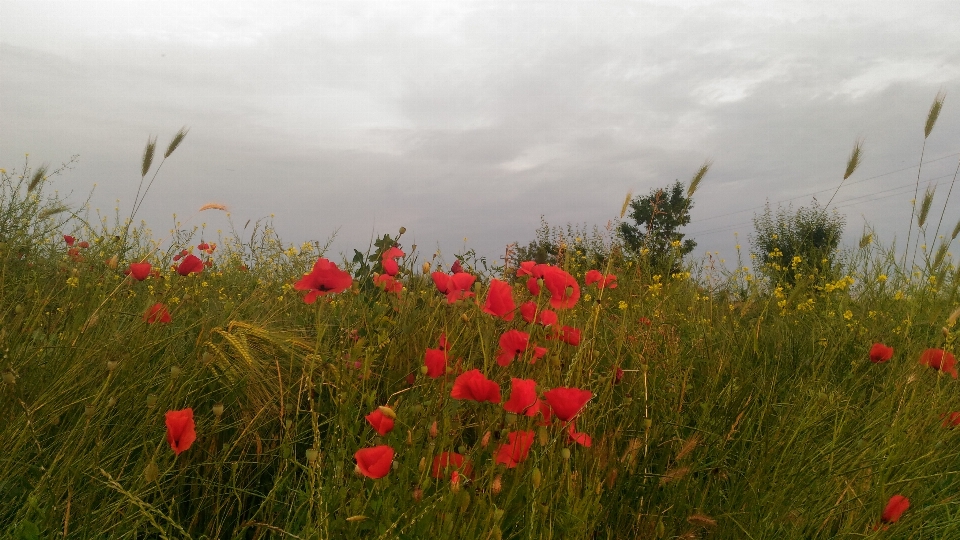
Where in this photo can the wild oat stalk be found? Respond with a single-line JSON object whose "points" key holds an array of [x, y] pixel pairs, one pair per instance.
{"points": [[927, 128], [922, 218], [145, 164], [852, 163], [39, 175]]}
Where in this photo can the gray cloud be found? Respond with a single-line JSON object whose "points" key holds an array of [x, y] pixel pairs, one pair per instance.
{"points": [[471, 119]]}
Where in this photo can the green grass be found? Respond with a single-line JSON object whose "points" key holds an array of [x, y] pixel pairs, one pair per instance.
{"points": [[744, 410]]}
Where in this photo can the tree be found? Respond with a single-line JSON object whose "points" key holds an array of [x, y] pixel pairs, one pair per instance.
{"points": [[789, 245], [657, 216]]}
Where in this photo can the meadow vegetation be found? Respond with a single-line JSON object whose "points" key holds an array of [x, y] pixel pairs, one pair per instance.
{"points": [[224, 384]]}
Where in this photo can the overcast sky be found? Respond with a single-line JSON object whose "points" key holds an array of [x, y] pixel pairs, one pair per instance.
{"points": [[461, 119]]}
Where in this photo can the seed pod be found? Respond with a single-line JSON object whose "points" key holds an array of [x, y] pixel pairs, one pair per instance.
{"points": [[497, 485], [485, 440], [433, 430], [218, 410], [536, 477], [387, 411], [312, 455], [422, 465], [565, 453], [174, 372], [543, 436], [112, 401], [112, 365], [152, 472], [89, 409], [151, 401], [9, 377], [426, 267]]}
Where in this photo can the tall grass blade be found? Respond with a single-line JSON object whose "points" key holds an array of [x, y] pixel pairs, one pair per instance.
{"points": [[148, 156], [934, 113], [697, 178], [925, 206], [37, 177], [175, 142], [854, 161]]}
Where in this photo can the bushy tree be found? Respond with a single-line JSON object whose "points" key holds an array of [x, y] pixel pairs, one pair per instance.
{"points": [[789, 244], [657, 218]]}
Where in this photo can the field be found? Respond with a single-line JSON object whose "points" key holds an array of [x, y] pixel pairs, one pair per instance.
{"points": [[228, 385]]}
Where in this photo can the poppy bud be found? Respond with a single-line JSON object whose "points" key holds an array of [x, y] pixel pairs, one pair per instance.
{"points": [[151, 401], [174, 372], [433, 430], [112, 401], [112, 365], [312, 455], [543, 436], [464, 318], [648, 423], [497, 485], [426, 267], [464, 502], [565, 453], [661, 529], [485, 440], [112, 262], [19, 309], [403, 230], [455, 481], [387, 411], [152, 472], [409, 438], [422, 465], [288, 423], [89, 409], [424, 370], [9, 377], [417, 494], [416, 408], [218, 410], [536, 477]]}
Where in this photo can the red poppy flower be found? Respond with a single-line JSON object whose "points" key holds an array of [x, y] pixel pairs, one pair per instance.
{"points": [[69, 240], [618, 375], [451, 462], [456, 267], [566, 334], [512, 343], [602, 281], [526, 268], [191, 264], [84, 244], [181, 431], [374, 462], [475, 386], [388, 283], [389, 260], [74, 253], [455, 286], [567, 402], [325, 278], [139, 271], [517, 450], [381, 423], [544, 409], [182, 254], [443, 342], [895, 508], [564, 289], [523, 397], [157, 313], [500, 300], [580, 438], [880, 353], [645, 321], [951, 420], [436, 362], [939, 359], [528, 310]]}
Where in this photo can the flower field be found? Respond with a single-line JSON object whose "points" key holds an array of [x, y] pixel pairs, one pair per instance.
{"points": [[227, 385]]}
